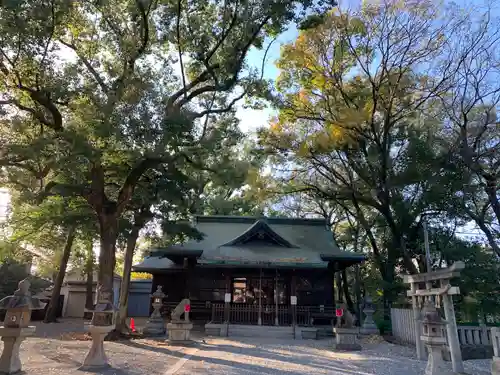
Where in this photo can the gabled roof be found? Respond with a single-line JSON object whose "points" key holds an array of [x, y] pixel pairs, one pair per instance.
{"points": [[259, 230], [230, 241]]}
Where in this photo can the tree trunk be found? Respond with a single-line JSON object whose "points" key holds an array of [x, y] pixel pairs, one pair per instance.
{"points": [[89, 286], [108, 230], [492, 191], [491, 239], [51, 315], [121, 321]]}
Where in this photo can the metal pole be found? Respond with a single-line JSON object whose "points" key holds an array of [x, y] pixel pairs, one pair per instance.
{"points": [[427, 250]]}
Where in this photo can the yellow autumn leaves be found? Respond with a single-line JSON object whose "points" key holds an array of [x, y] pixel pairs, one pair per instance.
{"points": [[324, 102]]}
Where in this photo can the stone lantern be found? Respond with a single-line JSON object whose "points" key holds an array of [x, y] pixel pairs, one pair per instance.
{"points": [[155, 325], [433, 338], [16, 325], [369, 327], [103, 322]]}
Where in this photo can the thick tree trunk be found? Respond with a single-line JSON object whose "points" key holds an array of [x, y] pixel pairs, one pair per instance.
{"points": [[108, 228], [89, 285], [121, 321], [51, 314]]}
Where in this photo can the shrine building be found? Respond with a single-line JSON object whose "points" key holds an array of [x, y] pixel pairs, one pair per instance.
{"points": [[252, 271]]}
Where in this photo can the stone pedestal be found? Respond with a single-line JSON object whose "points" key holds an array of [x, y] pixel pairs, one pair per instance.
{"points": [[10, 363], [369, 327], [96, 357], [154, 327], [179, 332], [346, 339], [435, 362]]}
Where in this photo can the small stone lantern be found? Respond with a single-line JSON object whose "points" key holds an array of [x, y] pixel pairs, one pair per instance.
{"points": [[155, 325], [103, 322], [433, 338], [16, 325]]}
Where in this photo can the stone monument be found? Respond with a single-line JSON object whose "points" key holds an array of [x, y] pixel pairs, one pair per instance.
{"points": [[495, 338], [346, 334], [155, 325], [369, 327], [103, 322], [179, 330], [16, 326], [433, 338]]}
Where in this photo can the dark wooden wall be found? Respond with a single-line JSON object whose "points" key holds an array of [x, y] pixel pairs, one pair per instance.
{"points": [[313, 287]]}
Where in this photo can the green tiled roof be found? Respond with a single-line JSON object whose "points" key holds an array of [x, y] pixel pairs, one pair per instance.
{"points": [[232, 241]]}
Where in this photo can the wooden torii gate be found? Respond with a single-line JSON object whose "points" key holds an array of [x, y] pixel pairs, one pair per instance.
{"points": [[443, 294]]}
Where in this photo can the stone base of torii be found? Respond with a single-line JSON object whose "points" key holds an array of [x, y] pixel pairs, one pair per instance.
{"points": [[421, 290]]}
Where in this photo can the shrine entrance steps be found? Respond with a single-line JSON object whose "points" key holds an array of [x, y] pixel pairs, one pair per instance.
{"points": [[242, 330], [283, 332]]}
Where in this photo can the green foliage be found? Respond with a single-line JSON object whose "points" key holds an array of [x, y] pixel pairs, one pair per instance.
{"points": [[11, 273], [93, 106], [382, 125]]}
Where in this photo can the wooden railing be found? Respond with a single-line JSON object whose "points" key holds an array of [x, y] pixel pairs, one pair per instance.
{"points": [[403, 328], [471, 335], [217, 313], [249, 314]]}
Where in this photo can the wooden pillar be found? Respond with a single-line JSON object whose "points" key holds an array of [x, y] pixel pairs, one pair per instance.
{"points": [[357, 292], [451, 330], [418, 324], [259, 319], [338, 278], [276, 318], [227, 303], [293, 300], [334, 296]]}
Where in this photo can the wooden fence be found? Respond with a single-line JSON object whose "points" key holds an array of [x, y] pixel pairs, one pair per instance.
{"points": [[403, 328]]}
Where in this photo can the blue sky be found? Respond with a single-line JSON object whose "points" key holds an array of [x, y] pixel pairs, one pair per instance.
{"points": [[253, 119]]}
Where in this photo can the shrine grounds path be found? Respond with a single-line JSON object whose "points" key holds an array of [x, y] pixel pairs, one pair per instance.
{"points": [[51, 353]]}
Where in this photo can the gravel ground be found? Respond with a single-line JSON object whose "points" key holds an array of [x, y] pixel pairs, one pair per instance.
{"points": [[58, 357], [245, 356], [47, 354]]}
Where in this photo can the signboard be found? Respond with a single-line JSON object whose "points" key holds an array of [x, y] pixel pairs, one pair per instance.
{"points": [[339, 313], [227, 297], [293, 300], [187, 308]]}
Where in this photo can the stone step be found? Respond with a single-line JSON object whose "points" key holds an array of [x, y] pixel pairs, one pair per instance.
{"points": [[260, 331]]}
